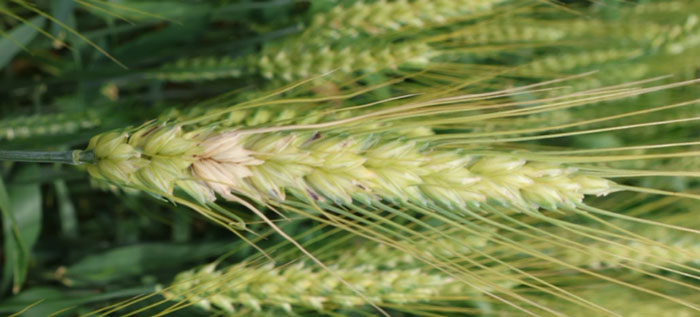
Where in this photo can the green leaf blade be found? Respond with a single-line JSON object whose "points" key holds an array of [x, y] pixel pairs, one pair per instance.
{"points": [[13, 42]]}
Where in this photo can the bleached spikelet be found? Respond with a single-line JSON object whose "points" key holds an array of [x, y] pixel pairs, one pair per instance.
{"points": [[223, 163]]}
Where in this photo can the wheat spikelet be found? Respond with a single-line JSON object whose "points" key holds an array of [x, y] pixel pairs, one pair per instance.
{"points": [[153, 158], [571, 61], [296, 114], [201, 68], [677, 248], [482, 34], [521, 30], [683, 38], [297, 285], [50, 124], [628, 32], [365, 18], [295, 60]]}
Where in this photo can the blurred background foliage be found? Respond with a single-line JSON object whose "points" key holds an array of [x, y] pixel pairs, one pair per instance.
{"points": [[73, 68]]}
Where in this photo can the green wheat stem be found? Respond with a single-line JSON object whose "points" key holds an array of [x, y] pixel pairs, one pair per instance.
{"points": [[76, 157]]}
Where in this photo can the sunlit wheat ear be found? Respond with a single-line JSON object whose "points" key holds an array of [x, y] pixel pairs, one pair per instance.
{"points": [[285, 289]]}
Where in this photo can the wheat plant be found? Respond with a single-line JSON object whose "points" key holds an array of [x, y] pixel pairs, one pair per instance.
{"points": [[349, 158]]}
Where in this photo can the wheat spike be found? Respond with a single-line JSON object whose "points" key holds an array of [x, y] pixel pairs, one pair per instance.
{"points": [[677, 248], [296, 59], [571, 61], [201, 68], [386, 275], [338, 168], [298, 285], [365, 18]]}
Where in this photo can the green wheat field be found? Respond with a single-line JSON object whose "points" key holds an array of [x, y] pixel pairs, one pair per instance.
{"points": [[350, 158]]}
